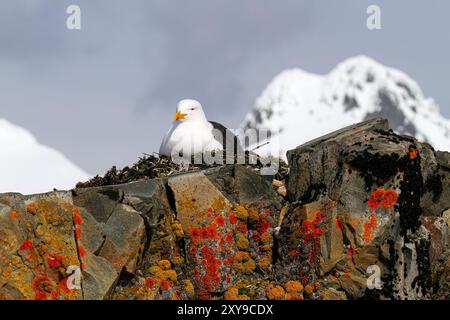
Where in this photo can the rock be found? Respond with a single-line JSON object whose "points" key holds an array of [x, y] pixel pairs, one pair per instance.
{"points": [[36, 248], [333, 294], [384, 186], [361, 206]]}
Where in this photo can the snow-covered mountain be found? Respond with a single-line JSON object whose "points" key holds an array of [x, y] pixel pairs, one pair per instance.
{"points": [[298, 106], [29, 167]]}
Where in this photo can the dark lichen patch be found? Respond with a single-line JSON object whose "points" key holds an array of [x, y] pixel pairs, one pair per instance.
{"points": [[375, 168], [423, 280], [388, 279], [412, 188], [313, 192], [434, 185]]}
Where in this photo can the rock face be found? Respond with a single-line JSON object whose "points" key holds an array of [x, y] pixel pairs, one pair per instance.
{"points": [[382, 197], [360, 201]]}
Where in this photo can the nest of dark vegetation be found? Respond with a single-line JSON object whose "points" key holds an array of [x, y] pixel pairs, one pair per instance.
{"points": [[149, 167]]}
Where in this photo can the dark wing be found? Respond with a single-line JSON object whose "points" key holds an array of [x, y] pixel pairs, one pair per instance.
{"points": [[221, 133]]}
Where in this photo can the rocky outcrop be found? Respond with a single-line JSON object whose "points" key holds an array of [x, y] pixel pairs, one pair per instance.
{"points": [[360, 200], [383, 198]]}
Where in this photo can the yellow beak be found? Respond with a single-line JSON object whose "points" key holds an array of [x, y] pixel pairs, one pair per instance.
{"points": [[178, 116]]}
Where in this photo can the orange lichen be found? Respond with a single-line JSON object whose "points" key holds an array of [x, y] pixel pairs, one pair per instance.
{"points": [[412, 153], [32, 208], [389, 198], [164, 264], [253, 216], [375, 199], [231, 294], [243, 263], [169, 275], [369, 227], [241, 213], [293, 290], [242, 241], [309, 289], [264, 263], [266, 237], [293, 286], [275, 292], [14, 215]]}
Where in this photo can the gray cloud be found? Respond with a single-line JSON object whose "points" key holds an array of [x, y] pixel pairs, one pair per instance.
{"points": [[105, 94]]}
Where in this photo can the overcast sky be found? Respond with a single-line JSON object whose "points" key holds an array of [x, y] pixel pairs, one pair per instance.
{"points": [[106, 93]]}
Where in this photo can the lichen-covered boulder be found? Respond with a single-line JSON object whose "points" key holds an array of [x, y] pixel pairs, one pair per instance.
{"points": [[366, 215], [381, 196]]}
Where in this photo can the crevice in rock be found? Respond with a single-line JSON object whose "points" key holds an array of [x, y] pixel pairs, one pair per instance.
{"points": [[80, 261], [100, 247], [171, 198]]}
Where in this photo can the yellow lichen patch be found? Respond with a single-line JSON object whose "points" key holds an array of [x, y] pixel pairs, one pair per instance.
{"points": [[164, 264], [293, 286], [293, 289], [242, 241], [275, 292], [243, 263], [241, 213], [155, 270], [189, 288], [264, 263], [266, 237], [309, 289], [266, 247], [177, 229], [231, 294], [169, 275], [253, 216], [32, 208], [177, 260]]}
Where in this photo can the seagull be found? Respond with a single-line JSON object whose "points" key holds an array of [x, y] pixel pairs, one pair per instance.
{"points": [[191, 133]]}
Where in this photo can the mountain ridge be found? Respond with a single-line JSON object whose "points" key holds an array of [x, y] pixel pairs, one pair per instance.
{"points": [[357, 89]]}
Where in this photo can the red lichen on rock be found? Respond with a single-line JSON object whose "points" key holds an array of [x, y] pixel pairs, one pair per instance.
{"points": [[14, 215], [375, 199], [412, 153], [54, 260], [389, 198], [232, 218], [369, 227], [81, 251], [381, 197], [339, 223], [77, 218], [42, 287], [26, 245]]}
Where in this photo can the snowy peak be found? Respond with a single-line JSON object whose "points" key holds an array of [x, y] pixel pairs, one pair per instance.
{"points": [[299, 106], [29, 167]]}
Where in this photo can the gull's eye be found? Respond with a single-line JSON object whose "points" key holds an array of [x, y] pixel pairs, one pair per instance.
{"points": [[192, 109]]}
